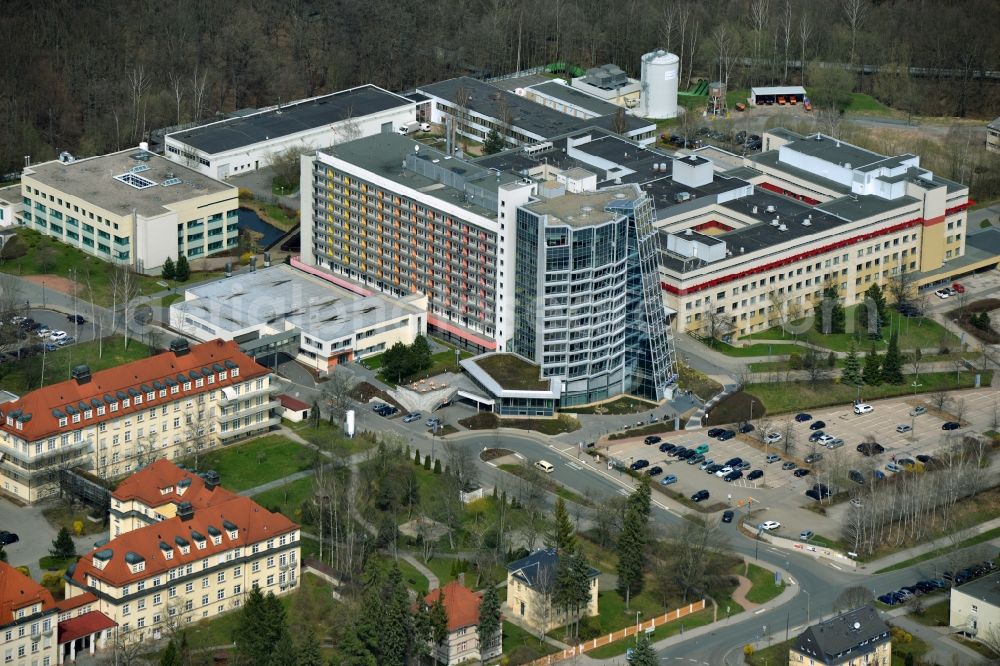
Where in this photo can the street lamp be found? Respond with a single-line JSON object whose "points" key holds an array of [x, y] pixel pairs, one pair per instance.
{"points": [[637, 614], [808, 603]]}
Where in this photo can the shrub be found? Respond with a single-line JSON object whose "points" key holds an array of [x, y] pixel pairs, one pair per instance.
{"points": [[246, 194], [795, 361], [14, 248]]}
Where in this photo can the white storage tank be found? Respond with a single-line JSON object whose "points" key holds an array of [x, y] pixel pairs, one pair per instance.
{"points": [[658, 98]]}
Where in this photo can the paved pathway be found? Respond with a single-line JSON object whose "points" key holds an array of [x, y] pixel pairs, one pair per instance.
{"points": [[432, 580], [943, 649], [739, 595], [942, 542]]}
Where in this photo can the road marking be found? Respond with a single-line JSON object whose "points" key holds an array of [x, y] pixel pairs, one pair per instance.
{"points": [[791, 581], [573, 466], [835, 566], [622, 491], [759, 611], [491, 464], [519, 456]]}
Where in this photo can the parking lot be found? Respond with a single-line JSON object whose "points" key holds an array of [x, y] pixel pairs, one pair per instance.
{"points": [[779, 489], [57, 321]]}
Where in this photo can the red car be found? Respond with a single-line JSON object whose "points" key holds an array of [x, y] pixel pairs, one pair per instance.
{"points": [[958, 287]]}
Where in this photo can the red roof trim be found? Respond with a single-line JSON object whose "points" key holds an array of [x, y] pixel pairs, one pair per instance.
{"points": [[84, 625], [294, 404]]}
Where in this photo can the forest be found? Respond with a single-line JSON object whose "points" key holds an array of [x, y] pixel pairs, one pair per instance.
{"points": [[98, 76]]}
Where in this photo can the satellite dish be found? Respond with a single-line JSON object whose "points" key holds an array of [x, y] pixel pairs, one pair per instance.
{"points": [[857, 625]]}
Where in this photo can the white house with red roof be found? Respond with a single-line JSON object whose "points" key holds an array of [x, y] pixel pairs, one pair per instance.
{"points": [[463, 644], [114, 421]]}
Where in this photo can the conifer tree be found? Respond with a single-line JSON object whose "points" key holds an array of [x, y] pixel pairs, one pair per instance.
{"points": [[309, 653], [892, 362], [563, 537], [168, 272], [489, 614], [644, 654], [872, 373], [182, 271], [852, 367]]}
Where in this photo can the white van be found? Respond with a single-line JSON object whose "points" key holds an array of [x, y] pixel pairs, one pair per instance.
{"points": [[545, 466]]}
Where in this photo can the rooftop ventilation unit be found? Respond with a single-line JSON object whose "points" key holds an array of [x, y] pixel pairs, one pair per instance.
{"points": [[171, 181], [782, 227], [139, 168], [755, 210], [806, 223], [770, 208], [775, 223]]}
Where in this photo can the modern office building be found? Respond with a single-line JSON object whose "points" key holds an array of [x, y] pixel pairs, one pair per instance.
{"points": [[283, 309], [244, 144], [476, 107], [386, 213], [856, 638], [588, 306], [10, 205], [114, 421], [975, 607], [187, 550], [131, 207]]}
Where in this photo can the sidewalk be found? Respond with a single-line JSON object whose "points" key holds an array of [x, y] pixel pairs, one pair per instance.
{"points": [[942, 542]]}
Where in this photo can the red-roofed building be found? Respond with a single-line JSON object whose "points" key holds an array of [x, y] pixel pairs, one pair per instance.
{"points": [[462, 645], [293, 409], [39, 631], [117, 420], [187, 550]]}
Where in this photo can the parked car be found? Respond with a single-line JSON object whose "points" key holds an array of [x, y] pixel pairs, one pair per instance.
{"points": [[788, 464], [835, 444], [863, 408], [49, 346], [432, 422], [918, 410], [726, 435], [655, 470], [732, 476], [813, 458], [410, 418], [668, 479], [870, 448], [76, 319], [677, 450], [890, 599], [714, 432], [802, 417], [7, 538], [687, 454], [824, 439], [723, 471], [893, 467], [801, 471], [754, 475], [747, 427], [925, 586], [805, 535], [942, 293], [700, 496], [706, 464], [902, 427], [68, 340], [696, 459], [856, 476], [667, 447], [772, 458], [770, 525], [713, 468], [745, 465], [727, 516], [878, 474], [639, 464], [816, 436], [817, 425], [732, 462], [652, 439], [773, 437], [701, 448], [958, 287], [856, 502], [950, 425]]}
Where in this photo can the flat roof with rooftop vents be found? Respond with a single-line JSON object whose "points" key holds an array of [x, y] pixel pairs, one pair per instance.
{"points": [[128, 180], [585, 209], [575, 97], [293, 118]]}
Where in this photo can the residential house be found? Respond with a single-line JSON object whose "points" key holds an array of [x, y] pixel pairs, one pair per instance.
{"points": [[530, 585], [463, 643], [855, 638]]}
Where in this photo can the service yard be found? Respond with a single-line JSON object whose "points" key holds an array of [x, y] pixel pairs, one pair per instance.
{"points": [[779, 494]]}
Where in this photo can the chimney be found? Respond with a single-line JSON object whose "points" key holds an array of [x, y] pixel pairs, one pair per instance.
{"points": [[185, 511], [211, 479], [461, 579], [81, 374], [179, 346]]}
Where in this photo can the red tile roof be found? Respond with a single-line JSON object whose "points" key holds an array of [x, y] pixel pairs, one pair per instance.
{"points": [[294, 404], [40, 403], [460, 603], [84, 625], [64, 605], [255, 524], [146, 486], [18, 591]]}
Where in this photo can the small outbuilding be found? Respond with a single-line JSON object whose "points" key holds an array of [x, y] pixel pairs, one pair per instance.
{"points": [[780, 95], [293, 409]]}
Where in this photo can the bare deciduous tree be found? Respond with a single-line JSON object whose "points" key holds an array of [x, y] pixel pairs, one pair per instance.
{"points": [[853, 597]]}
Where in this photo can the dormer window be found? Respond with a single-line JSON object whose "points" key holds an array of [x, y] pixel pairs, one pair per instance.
{"points": [[76, 417], [138, 399], [233, 534], [151, 395], [63, 421], [222, 375], [10, 421], [163, 393], [217, 540], [167, 490], [169, 554], [235, 372], [114, 407], [198, 383], [185, 550], [187, 386], [125, 403], [175, 389], [141, 566], [100, 410], [211, 379], [89, 414]]}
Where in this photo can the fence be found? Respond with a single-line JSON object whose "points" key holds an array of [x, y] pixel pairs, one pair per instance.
{"points": [[648, 625]]}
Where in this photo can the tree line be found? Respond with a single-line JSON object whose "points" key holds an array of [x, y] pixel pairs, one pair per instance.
{"points": [[103, 80]]}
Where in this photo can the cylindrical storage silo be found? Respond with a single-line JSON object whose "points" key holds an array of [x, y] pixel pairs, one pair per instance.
{"points": [[659, 84]]}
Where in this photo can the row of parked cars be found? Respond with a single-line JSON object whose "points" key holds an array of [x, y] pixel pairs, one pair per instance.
{"points": [[948, 292], [947, 579]]}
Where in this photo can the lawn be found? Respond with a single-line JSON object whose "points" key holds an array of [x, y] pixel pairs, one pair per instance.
{"points": [[783, 397], [548, 426], [623, 405], [529, 474], [170, 299], [330, 438], [735, 408], [25, 374], [780, 366], [971, 541], [258, 461], [862, 103], [770, 656], [657, 428], [763, 589], [441, 362], [46, 256], [415, 580], [689, 622], [513, 373], [826, 542], [697, 382], [935, 615], [520, 646], [287, 499], [914, 646], [914, 332], [754, 349]]}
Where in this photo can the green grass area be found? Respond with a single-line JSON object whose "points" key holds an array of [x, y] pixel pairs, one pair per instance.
{"points": [[25, 374], [661, 427], [826, 542], [441, 362], [770, 656], [687, 622], [934, 615], [862, 103], [540, 479], [513, 373], [520, 646], [548, 426], [747, 349], [309, 604], [914, 332], [763, 589], [971, 541], [50, 563], [415, 580], [771, 366], [978, 646], [330, 438], [170, 299], [258, 461], [782, 397], [909, 645], [43, 255], [623, 405], [287, 499], [697, 382]]}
